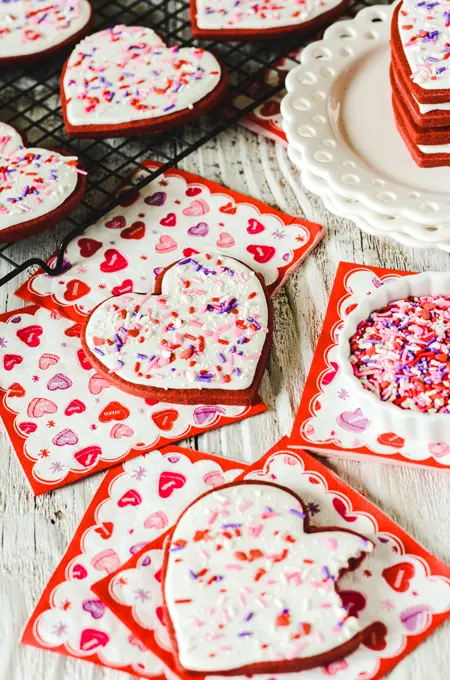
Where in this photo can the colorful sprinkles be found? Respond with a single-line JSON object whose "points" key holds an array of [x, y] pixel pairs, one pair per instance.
{"points": [[255, 575], [127, 73], [401, 353], [207, 330]]}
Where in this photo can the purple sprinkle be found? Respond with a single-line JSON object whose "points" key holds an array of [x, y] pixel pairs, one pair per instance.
{"points": [[299, 513]]}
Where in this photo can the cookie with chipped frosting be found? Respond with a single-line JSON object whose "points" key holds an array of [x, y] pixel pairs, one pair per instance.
{"points": [[38, 187], [249, 587], [201, 337], [126, 81], [32, 29], [253, 19]]}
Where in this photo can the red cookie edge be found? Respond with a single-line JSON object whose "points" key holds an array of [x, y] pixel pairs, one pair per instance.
{"points": [[285, 666], [267, 34], [192, 397], [432, 119]]}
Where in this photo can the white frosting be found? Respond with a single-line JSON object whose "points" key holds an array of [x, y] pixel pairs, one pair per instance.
{"points": [[268, 594], [425, 36], [33, 182], [434, 148], [259, 15], [126, 74], [190, 336], [426, 108], [32, 26]]}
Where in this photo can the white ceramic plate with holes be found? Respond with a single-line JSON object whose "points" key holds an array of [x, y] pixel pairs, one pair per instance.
{"points": [[344, 208], [363, 217], [338, 114]]}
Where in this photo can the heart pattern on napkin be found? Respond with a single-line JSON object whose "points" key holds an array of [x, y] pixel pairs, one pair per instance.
{"points": [[206, 328], [127, 74]]}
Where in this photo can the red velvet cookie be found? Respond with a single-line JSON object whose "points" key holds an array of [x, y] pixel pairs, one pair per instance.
{"points": [[249, 587], [31, 29], [426, 121], [202, 337], [126, 81], [38, 187], [258, 19]]}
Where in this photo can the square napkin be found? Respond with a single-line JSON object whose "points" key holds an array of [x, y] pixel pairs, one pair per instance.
{"points": [[134, 504], [400, 594], [329, 419], [174, 216], [65, 421]]}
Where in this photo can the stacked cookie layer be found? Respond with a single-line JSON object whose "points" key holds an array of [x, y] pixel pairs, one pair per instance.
{"points": [[420, 79]]}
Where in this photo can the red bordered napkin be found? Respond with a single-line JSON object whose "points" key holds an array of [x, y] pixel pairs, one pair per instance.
{"points": [[64, 420], [174, 216], [400, 594]]}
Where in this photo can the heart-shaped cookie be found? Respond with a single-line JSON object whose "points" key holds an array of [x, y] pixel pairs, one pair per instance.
{"points": [[202, 337], [38, 187], [125, 80], [250, 588], [30, 29], [247, 19]]}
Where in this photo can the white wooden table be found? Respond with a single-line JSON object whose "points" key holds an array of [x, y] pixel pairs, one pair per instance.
{"points": [[35, 532]]}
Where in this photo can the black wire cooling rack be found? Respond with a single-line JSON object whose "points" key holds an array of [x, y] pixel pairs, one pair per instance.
{"points": [[29, 101]]}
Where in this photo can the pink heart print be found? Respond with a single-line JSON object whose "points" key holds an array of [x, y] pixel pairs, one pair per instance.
{"points": [[166, 244], [196, 208]]}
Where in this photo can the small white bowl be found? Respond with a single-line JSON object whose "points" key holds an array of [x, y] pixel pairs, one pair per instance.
{"points": [[425, 427]]}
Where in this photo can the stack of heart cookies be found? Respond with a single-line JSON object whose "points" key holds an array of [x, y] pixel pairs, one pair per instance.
{"points": [[420, 78]]}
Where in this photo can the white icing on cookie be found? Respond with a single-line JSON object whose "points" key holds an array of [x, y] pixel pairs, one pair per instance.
{"points": [[434, 148], [426, 108], [33, 182], [127, 73], [258, 14], [425, 35], [33, 26], [206, 330], [268, 593]]}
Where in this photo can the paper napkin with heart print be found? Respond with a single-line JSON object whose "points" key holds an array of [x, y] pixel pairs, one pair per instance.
{"points": [[134, 504], [400, 594], [64, 420], [174, 216]]}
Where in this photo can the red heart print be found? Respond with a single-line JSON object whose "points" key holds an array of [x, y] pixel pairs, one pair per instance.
{"points": [[11, 360], [353, 601], [89, 246], [188, 252], [16, 390], [374, 637], [130, 497], [79, 572], [116, 222], [84, 363], [160, 615], [31, 335], [27, 428], [169, 221], [93, 639], [391, 439], [158, 575], [228, 209], [126, 201], [135, 232], [73, 331], [105, 530], [350, 308], [165, 419], [88, 456], [169, 481], [255, 227], [113, 262], [113, 411], [341, 508], [75, 290], [193, 191], [330, 374], [124, 287], [75, 406], [269, 109], [261, 254], [399, 576]]}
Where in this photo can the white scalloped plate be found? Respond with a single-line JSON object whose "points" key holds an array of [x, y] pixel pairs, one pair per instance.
{"points": [[338, 114], [344, 208]]}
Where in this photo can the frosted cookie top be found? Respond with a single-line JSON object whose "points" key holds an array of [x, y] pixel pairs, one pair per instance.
{"points": [[246, 584], [424, 29], [255, 15], [205, 330], [33, 182], [127, 73], [28, 27]]}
